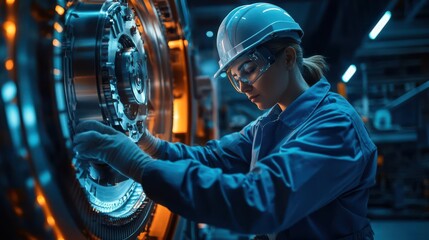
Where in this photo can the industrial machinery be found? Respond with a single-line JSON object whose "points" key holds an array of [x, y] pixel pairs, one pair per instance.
{"points": [[121, 62]]}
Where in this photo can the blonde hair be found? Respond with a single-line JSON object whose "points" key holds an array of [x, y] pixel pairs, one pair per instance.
{"points": [[312, 68]]}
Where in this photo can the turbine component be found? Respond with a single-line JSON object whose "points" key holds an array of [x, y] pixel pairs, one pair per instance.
{"points": [[108, 66], [93, 59]]}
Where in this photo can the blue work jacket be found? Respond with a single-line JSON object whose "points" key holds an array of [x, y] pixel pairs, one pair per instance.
{"points": [[303, 173]]}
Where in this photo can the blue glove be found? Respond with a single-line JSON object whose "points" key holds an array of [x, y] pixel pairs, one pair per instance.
{"points": [[94, 140]]}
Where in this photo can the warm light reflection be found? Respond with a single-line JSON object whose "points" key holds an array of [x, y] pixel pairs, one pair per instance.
{"points": [[15, 201], [10, 28], [60, 10], [342, 89], [18, 211], [58, 27], [41, 200], [162, 221], [176, 117], [10, 2], [181, 106], [9, 64], [180, 114], [57, 71], [50, 220], [176, 44], [380, 160], [56, 43]]}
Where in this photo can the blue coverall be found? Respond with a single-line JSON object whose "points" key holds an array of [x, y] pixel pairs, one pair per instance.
{"points": [[303, 173]]}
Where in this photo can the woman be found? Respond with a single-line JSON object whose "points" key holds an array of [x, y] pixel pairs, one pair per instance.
{"points": [[300, 171]]}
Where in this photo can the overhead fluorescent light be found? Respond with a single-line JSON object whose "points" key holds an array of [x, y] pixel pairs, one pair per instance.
{"points": [[8, 91], [209, 34], [349, 73], [380, 25]]}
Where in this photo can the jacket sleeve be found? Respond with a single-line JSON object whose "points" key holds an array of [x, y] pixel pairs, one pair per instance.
{"points": [[324, 161], [231, 153]]}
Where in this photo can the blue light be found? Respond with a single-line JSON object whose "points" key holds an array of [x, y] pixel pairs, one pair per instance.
{"points": [[29, 115], [59, 90], [380, 25], [209, 34], [349, 73], [45, 177], [13, 117], [30, 182], [8, 91], [223, 75]]}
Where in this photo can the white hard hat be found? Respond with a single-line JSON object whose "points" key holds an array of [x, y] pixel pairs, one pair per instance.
{"points": [[248, 26]]}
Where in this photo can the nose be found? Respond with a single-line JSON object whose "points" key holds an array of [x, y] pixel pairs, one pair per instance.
{"points": [[244, 87]]}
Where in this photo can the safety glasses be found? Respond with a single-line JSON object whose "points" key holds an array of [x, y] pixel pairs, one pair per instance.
{"points": [[259, 60]]}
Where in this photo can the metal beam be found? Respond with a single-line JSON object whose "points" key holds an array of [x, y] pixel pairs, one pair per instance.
{"points": [[415, 10], [408, 96]]}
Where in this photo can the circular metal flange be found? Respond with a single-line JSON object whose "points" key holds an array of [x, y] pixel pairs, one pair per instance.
{"points": [[108, 66], [106, 79], [87, 61]]}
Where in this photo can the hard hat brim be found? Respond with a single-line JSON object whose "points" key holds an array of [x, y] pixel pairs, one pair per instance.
{"points": [[245, 47]]}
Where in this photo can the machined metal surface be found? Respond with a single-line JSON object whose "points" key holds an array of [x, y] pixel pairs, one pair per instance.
{"points": [[102, 60], [107, 66]]}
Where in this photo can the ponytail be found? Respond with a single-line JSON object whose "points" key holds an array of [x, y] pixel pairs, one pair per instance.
{"points": [[313, 68]]}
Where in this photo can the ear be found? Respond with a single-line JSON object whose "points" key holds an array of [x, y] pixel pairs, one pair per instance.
{"points": [[290, 57]]}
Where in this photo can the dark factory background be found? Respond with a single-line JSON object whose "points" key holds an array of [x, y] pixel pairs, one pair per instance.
{"points": [[377, 51]]}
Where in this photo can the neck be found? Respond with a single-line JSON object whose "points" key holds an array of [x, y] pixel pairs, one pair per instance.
{"points": [[297, 86]]}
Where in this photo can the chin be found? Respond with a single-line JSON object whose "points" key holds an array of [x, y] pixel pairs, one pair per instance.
{"points": [[262, 106]]}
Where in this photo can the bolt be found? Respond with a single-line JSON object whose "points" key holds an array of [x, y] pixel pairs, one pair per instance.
{"points": [[133, 30]]}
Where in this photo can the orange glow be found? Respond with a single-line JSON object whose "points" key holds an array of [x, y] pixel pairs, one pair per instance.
{"points": [[342, 89], [18, 211], [380, 160], [58, 27], [163, 219], [181, 101], [57, 71], [180, 114], [9, 64], [41, 200], [60, 10], [10, 28], [56, 43], [50, 220], [10, 2], [176, 44], [13, 195]]}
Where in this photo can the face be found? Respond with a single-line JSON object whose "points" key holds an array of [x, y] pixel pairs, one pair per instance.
{"points": [[267, 89]]}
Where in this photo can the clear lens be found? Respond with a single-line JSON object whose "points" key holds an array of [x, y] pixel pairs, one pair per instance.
{"points": [[251, 70]]}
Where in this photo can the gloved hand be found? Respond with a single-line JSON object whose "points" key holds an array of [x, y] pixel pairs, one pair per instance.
{"points": [[94, 140]]}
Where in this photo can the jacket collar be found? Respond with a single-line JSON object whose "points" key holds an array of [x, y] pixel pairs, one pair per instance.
{"points": [[302, 107]]}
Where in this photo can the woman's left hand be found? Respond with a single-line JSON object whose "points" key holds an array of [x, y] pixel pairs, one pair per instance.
{"points": [[94, 140]]}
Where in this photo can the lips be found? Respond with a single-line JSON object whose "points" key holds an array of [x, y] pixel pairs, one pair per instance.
{"points": [[251, 98]]}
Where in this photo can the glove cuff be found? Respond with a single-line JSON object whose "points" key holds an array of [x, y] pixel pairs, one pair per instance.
{"points": [[152, 147], [150, 144]]}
